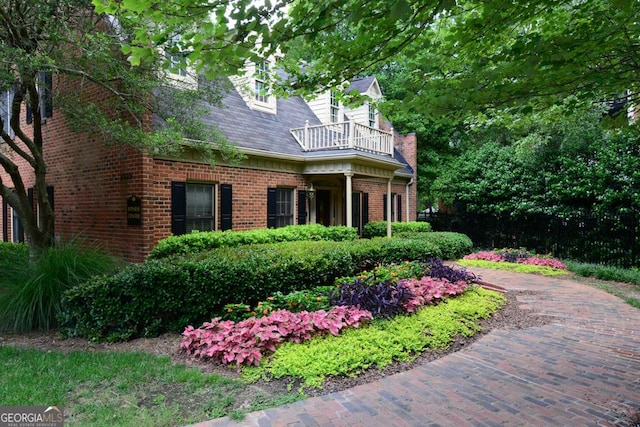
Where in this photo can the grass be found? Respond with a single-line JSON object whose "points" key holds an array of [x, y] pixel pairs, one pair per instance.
{"points": [[31, 292], [604, 272], [114, 388]]}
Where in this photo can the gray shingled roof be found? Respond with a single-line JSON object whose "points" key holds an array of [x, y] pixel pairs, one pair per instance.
{"points": [[258, 130], [361, 85]]}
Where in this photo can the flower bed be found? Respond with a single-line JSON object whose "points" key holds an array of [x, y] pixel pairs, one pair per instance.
{"points": [[519, 256], [384, 292]]}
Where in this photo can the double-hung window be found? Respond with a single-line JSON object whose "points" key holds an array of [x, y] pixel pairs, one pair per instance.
{"points": [[334, 108], [284, 207], [261, 84], [280, 207], [200, 207], [372, 116], [176, 57]]}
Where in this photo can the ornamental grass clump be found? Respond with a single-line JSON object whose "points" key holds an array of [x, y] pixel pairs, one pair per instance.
{"points": [[518, 256]]}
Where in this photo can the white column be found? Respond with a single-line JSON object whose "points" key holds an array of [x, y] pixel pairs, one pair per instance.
{"points": [[389, 200], [312, 210], [349, 200]]}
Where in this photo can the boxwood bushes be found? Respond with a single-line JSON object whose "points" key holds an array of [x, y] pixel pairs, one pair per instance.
{"points": [[166, 295], [379, 228], [203, 241]]}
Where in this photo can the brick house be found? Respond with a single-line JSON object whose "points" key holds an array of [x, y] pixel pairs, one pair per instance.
{"points": [[306, 162]]}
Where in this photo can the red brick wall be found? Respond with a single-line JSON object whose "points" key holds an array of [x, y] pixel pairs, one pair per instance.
{"points": [[249, 192], [92, 183]]}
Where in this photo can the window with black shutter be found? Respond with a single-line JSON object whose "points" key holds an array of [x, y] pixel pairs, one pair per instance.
{"points": [[356, 211], [6, 99], [192, 207], [226, 207], [365, 208], [302, 207], [178, 208], [393, 207], [279, 207], [17, 230], [45, 97]]}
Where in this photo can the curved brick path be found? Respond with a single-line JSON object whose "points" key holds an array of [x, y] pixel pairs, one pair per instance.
{"points": [[581, 370]]}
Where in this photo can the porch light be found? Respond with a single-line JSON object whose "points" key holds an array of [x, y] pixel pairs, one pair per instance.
{"points": [[311, 192]]}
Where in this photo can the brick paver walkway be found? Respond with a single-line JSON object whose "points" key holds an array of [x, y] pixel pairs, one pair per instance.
{"points": [[583, 369]]}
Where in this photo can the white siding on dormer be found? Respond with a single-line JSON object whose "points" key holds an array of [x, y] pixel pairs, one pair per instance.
{"points": [[321, 106], [361, 115]]}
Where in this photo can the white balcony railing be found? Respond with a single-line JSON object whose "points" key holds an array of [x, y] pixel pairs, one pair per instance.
{"points": [[336, 136]]}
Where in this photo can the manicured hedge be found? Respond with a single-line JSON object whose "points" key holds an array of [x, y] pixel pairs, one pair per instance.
{"points": [[160, 295], [379, 228], [203, 241]]}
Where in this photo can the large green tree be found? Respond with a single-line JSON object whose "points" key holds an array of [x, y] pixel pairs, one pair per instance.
{"points": [[50, 46], [466, 55], [552, 162]]}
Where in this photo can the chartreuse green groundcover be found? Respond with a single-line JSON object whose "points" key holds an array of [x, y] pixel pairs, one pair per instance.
{"points": [[379, 343]]}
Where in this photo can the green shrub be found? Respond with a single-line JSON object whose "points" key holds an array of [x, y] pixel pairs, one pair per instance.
{"points": [[204, 241], [153, 297], [379, 228], [31, 292], [157, 296]]}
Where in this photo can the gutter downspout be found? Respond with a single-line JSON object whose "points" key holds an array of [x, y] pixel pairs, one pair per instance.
{"points": [[410, 183]]}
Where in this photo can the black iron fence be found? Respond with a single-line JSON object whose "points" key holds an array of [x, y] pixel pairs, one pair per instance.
{"points": [[612, 239]]}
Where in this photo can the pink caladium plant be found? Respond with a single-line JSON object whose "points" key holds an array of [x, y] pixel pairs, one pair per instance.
{"points": [[523, 258], [246, 341], [430, 291]]}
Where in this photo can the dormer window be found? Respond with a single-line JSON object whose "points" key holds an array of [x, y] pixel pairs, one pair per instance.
{"points": [[372, 116], [6, 99], [176, 66], [254, 86], [179, 73], [334, 108], [261, 85]]}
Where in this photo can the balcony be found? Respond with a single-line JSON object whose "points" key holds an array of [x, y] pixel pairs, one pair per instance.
{"points": [[344, 135]]}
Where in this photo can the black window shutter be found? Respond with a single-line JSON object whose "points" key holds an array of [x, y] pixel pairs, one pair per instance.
{"points": [[302, 207], [30, 196], [399, 217], [29, 116], [271, 208], [178, 208], [5, 221], [226, 207], [46, 99], [365, 208], [384, 207], [50, 195]]}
